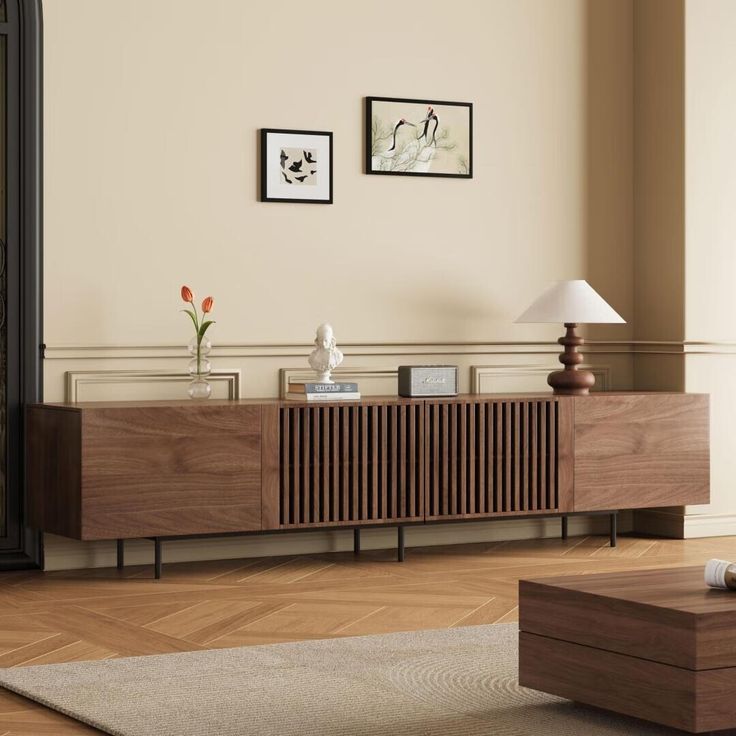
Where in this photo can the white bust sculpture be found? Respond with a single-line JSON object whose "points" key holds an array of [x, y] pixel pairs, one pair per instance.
{"points": [[325, 357]]}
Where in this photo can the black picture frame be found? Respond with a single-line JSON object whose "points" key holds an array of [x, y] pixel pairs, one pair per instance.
{"points": [[264, 166], [369, 101]]}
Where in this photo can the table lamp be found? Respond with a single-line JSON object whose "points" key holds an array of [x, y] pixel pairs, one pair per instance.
{"points": [[572, 303]]}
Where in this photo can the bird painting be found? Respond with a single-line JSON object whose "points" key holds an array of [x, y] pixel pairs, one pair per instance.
{"points": [[288, 181], [284, 158], [301, 179], [396, 130], [430, 116], [313, 172], [308, 157], [296, 167]]}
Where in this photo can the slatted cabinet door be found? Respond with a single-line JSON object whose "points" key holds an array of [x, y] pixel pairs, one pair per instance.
{"points": [[487, 457], [351, 464]]}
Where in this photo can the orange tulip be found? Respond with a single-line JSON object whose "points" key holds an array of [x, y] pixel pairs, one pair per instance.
{"points": [[207, 304], [186, 294]]}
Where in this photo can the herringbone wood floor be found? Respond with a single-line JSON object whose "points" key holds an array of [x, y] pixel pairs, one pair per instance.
{"points": [[98, 614]]}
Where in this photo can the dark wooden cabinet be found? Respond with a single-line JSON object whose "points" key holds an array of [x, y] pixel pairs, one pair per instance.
{"points": [[110, 470], [144, 470]]}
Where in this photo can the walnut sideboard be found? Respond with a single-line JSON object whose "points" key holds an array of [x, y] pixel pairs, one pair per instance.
{"points": [[166, 469]]}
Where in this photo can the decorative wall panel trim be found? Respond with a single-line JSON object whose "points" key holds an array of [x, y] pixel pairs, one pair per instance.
{"points": [[292, 350], [388, 378], [76, 381], [482, 377]]}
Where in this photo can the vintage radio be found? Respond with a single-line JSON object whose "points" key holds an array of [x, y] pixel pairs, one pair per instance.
{"points": [[427, 380]]}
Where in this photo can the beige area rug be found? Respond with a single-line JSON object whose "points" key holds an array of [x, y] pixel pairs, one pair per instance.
{"points": [[449, 682]]}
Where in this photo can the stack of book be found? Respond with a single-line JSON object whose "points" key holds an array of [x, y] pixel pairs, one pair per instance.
{"points": [[323, 391]]}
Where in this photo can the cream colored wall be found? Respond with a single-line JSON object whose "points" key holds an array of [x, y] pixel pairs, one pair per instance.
{"points": [[711, 175], [710, 316], [152, 111], [684, 225]]}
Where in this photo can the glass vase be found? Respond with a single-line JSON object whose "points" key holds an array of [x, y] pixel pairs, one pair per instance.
{"points": [[199, 368]]}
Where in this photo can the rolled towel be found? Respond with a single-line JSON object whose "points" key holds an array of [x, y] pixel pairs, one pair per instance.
{"points": [[720, 574]]}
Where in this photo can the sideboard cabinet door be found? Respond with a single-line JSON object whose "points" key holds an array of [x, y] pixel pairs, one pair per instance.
{"points": [[350, 464], [641, 451], [168, 470], [498, 457]]}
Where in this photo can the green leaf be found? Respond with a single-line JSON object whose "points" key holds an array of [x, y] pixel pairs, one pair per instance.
{"points": [[204, 327], [193, 317]]}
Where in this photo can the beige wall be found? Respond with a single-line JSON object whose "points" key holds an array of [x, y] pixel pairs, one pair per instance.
{"points": [[684, 225], [152, 110], [710, 254]]}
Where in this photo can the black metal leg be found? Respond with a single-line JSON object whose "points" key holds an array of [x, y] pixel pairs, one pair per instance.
{"points": [[356, 541], [157, 558], [613, 518], [121, 554], [401, 544], [564, 527]]}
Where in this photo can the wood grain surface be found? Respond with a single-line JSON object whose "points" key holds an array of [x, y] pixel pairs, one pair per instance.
{"points": [[667, 616], [641, 450], [163, 471], [96, 614], [104, 470]]}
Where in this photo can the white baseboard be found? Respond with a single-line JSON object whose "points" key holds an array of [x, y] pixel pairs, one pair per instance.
{"points": [[677, 524], [709, 525], [68, 554]]}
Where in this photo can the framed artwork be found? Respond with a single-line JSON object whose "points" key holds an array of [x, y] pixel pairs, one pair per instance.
{"points": [[418, 137], [296, 166]]}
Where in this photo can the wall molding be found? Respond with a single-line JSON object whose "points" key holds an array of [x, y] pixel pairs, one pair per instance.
{"points": [[483, 373], [299, 349], [77, 380]]}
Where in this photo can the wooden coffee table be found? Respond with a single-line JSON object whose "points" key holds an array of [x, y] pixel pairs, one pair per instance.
{"points": [[654, 644]]}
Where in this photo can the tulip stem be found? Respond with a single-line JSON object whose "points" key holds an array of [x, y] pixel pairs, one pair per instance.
{"points": [[199, 339]]}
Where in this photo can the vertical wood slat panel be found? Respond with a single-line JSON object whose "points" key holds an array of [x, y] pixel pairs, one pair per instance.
{"points": [[376, 463], [463, 447], [533, 459], [394, 464], [552, 458], [349, 464], [412, 468], [335, 475], [315, 453], [345, 462], [479, 430], [543, 454], [355, 464], [445, 483], [286, 467], [296, 472], [516, 451], [364, 490], [491, 457], [372, 460], [385, 507]]}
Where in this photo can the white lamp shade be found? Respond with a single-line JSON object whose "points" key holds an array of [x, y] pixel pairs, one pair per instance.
{"points": [[571, 301]]}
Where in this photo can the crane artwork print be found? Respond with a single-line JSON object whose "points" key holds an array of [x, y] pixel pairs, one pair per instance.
{"points": [[418, 137]]}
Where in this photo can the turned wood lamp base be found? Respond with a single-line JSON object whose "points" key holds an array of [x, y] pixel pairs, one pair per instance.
{"points": [[571, 381]]}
